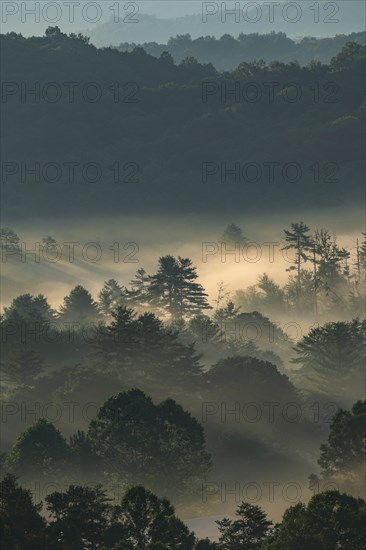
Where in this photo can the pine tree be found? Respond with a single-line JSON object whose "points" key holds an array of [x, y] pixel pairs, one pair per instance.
{"points": [[298, 240], [249, 531], [193, 296], [21, 365], [111, 296], [331, 271], [233, 234], [9, 243], [139, 293], [79, 307], [330, 256], [273, 294], [29, 309], [174, 289], [227, 313], [362, 256]]}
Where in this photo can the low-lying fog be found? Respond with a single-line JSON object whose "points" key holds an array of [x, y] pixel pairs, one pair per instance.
{"points": [[105, 248]]}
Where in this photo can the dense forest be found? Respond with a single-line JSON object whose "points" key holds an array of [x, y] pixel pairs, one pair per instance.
{"points": [[137, 23], [138, 387], [83, 517], [149, 125], [161, 389], [227, 52]]}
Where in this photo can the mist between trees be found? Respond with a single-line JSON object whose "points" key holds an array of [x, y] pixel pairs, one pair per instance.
{"points": [[144, 521], [172, 306], [128, 387], [67, 502], [242, 392]]}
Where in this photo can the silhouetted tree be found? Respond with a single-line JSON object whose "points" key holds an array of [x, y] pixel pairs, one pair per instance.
{"points": [[161, 444], [227, 313], [249, 531], [9, 243], [39, 452], [79, 517], [111, 296], [21, 365], [334, 355], [307, 288], [233, 234], [330, 520], [145, 341], [139, 295], [30, 311], [174, 290], [148, 519], [345, 452], [299, 240], [206, 544], [21, 525], [79, 307], [274, 298]]}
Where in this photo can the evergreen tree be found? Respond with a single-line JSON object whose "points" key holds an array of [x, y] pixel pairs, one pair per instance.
{"points": [[299, 240], [227, 313], [274, 298], [328, 259], [79, 307], [49, 242], [139, 294], [249, 531], [21, 525], [144, 346], [9, 243], [334, 356], [361, 260], [329, 256], [307, 287], [21, 364], [29, 310], [111, 296], [233, 234], [174, 289]]}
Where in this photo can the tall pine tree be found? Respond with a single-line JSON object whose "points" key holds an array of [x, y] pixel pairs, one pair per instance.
{"points": [[174, 290], [79, 307], [111, 296], [299, 240]]}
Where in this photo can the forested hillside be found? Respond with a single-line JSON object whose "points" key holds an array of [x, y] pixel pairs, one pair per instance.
{"points": [[183, 257], [162, 136], [227, 52]]}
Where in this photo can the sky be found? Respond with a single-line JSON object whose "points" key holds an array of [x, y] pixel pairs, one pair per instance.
{"points": [[299, 18]]}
